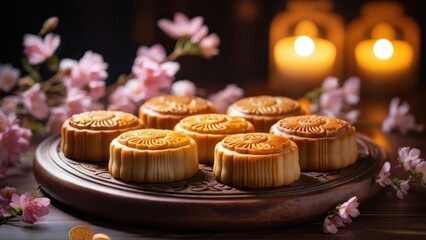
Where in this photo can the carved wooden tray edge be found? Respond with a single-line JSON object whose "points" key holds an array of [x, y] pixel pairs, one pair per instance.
{"points": [[207, 206]]}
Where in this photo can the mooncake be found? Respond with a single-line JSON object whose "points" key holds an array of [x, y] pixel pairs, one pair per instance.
{"points": [[263, 111], [324, 143], [153, 156], [164, 112], [87, 136], [256, 160], [209, 129]]}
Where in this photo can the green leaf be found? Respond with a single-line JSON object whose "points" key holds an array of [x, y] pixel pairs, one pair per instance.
{"points": [[313, 95]]}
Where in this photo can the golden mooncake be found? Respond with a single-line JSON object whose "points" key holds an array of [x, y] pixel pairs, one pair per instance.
{"points": [[325, 143], [209, 129], [256, 160], [153, 156], [87, 136], [164, 112], [263, 111]]}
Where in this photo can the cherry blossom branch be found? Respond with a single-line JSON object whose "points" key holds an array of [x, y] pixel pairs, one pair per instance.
{"points": [[399, 119], [177, 52], [341, 215], [409, 159], [332, 100], [153, 71], [55, 79], [29, 206]]}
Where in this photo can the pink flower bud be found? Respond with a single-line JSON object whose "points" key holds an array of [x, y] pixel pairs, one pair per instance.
{"points": [[49, 25]]}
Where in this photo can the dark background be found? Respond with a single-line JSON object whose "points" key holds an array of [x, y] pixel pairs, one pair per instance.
{"points": [[115, 29]]}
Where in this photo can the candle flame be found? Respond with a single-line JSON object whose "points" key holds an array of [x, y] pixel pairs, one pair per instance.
{"points": [[304, 46], [383, 49]]}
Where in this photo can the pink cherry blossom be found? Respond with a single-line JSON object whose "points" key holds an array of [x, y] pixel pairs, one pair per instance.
{"points": [[183, 88], [6, 195], [90, 68], [349, 208], [402, 189], [120, 100], [350, 90], [200, 34], [57, 117], [399, 119], [14, 140], [409, 158], [331, 103], [9, 104], [209, 45], [421, 169], [77, 101], [66, 65], [35, 101], [38, 50], [329, 226], [155, 86], [155, 78], [36, 208], [340, 222], [5, 199], [97, 89], [8, 77], [144, 67], [135, 90], [31, 209], [330, 84], [383, 178], [223, 98], [181, 27], [334, 100], [333, 222], [156, 52]]}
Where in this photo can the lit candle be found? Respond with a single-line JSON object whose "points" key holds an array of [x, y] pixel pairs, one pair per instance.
{"points": [[382, 57], [305, 56]]}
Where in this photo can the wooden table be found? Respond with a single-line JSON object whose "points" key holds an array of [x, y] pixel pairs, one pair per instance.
{"points": [[383, 216]]}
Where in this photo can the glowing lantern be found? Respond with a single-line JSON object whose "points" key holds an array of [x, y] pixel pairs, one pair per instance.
{"points": [[305, 47], [383, 48]]}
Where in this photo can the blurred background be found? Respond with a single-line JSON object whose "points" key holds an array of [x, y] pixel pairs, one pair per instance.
{"points": [[115, 29]]}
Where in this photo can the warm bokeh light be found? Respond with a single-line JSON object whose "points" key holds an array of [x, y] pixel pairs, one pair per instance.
{"points": [[383, 49], [307, 60], [304, 46]]}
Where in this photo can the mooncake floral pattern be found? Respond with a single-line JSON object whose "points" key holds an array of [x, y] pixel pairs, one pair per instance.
{"points": [[216, 124], [256, 143], [313, 126], [153, 139], [268, 105], [103, 120], [178, 105]]}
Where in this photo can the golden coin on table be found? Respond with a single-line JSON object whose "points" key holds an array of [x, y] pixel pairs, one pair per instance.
{"points": [[101, 236], [81, 233]]}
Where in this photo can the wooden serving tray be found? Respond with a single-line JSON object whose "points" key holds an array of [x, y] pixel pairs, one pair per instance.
{"points": [[202, 203]]}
